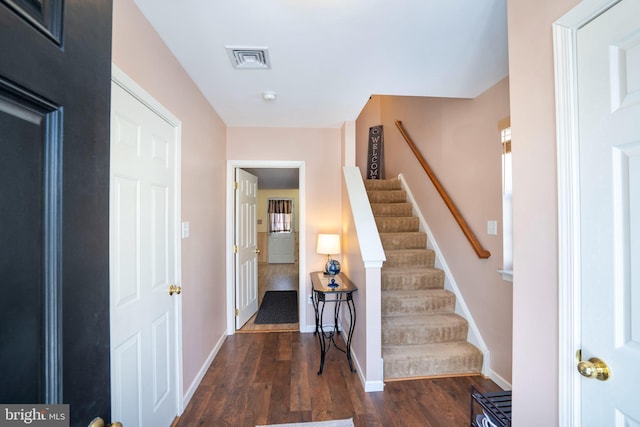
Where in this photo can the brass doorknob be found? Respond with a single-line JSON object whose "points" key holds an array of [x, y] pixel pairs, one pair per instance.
{"points": [[175, 289], [99, 422], [257, 251], [593, 368]]}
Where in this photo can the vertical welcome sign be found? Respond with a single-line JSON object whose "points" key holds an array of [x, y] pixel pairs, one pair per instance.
{"points": [[375, 157]]}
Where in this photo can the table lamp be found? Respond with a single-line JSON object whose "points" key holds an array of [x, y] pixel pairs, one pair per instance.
{"points": [[329, 244]]}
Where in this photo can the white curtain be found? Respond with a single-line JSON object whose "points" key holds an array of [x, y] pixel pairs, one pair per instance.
{"points": [[280, 215]]}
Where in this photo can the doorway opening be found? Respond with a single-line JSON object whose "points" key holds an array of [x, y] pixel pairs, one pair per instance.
{"points": [[278, 275]]}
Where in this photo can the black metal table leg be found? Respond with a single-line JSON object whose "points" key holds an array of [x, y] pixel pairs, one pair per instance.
{"points": [[314, 301], [352, 322], [320, 330], [342, 294]]}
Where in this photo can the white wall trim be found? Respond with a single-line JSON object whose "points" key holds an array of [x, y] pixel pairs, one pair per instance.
{"points": [[373, 264], [367, 385], [307, 329], [567, 136], [120, 78], [363, 219], [462, 309], [349, 142], [371, 386], [202, 372], [496, 378], [373, 256], [302, 236]]}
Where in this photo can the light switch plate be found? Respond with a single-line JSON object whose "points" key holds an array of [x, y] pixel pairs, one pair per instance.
{"points": [[185, 229], [492, 227]]}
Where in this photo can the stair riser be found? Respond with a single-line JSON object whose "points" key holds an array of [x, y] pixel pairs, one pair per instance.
{"points": [[422, 334], [412, 281], [403, 241], [393, 196], [397, 224], [398, 306], [411, 259], [431, 366], [382, 184], [391, 209]]}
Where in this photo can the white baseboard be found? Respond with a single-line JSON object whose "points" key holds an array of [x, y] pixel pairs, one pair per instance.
{"points": [[201, 373], [371, 386], [368, 386], [504, 384], [307, 329]]}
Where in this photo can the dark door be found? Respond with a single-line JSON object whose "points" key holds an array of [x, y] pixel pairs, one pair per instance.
{"points": [[55, 72]]}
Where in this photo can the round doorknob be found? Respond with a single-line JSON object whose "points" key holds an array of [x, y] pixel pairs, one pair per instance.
{"points": [[258, 251], [175, 289], [99, 422], [594, 368]]}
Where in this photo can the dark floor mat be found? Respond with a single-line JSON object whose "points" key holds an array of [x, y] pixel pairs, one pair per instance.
{"points": [[278, 307]]}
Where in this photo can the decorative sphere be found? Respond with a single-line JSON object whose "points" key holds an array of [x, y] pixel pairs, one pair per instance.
{"points": [[332, 267]]}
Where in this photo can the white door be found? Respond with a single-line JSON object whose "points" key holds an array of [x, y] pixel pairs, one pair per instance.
{"points": [[281, 234], [142, 265], [281, 248], [246, 238], [609, 131]]}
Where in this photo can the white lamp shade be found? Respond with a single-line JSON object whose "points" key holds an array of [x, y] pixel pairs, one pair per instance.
{"points": [[328, 244]]}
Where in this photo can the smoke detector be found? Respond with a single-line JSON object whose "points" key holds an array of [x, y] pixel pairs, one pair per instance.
{"points": [[249, 58], [269, 95]]}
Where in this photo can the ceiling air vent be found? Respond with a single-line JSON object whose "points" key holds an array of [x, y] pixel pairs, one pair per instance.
{"points": [[249, 58]]}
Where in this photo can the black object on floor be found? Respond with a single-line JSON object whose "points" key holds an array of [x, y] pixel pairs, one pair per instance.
{"points": [[278, 307]]}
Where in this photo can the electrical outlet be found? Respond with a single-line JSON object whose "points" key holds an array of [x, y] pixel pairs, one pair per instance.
{"points": [[185, 229]]}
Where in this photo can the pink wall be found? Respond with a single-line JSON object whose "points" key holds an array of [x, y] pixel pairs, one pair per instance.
{"points": [[371, 115], [460, 140], [320, 150], [535, 210], [141, 54]]}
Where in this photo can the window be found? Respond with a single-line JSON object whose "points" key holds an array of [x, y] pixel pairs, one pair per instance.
{"points": [[280, 215], [507, 205]]}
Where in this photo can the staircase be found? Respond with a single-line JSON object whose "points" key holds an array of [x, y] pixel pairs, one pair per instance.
{"points": [[421, 334]]}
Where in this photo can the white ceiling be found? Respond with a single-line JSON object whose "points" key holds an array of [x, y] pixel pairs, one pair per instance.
{"points": [[276, 178], [329, 56]]}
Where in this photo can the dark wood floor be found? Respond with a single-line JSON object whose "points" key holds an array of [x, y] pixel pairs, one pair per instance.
{"points": [[270, 378]]}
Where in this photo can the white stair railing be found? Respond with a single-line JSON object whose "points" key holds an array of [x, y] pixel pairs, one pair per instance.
{"points": [[363, 258]]}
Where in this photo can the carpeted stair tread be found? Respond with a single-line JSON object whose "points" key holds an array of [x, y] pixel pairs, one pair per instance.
{"points": [[407, 278], [423, 329], [392, 209], [424, 360], [404, 240], [397, 224], [387, 196], [422, 335], [402, 303], [382, 184], [410, 258]]}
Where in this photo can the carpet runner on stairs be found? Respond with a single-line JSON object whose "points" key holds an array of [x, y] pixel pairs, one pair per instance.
{"points": [[422, 336]]}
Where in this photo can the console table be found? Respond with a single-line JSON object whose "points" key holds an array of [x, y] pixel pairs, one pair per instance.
{"points": [[323, 293]]}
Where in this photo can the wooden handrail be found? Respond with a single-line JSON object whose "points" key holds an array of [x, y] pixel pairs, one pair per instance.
{"points": [[471, 237]]}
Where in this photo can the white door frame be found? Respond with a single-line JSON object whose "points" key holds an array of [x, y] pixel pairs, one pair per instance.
{"points": [[129, 85], [302, 285], [567, 136]]}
